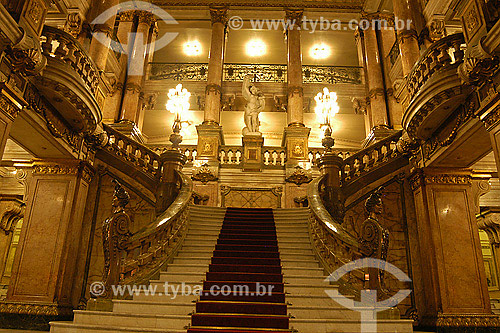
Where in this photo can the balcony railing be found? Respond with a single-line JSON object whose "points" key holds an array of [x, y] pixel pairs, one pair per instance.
{"points": [[263, 72], [62, 46]]}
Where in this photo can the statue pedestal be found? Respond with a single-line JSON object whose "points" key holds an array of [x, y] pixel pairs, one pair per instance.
{"points": [[252, 151]]}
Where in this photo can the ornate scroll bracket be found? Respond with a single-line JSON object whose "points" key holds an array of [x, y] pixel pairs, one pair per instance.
{"points": [[478, 66], [299, 177], [204, 175], [11, 211]]}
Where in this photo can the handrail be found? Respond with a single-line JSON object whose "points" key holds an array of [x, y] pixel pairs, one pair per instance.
{"points": [[147, 250], [333, 245]]}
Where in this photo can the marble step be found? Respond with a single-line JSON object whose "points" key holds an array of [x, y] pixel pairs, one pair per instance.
{"points": [[175, 322], [70, 327], [322, 312], [148, 307], [349, 326], [304, 300], [206, 259]]}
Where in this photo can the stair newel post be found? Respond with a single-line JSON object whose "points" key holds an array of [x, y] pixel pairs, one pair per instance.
{"points": [[330, 165], [172, 161]]}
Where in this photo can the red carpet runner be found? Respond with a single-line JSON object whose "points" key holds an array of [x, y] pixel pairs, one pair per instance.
{"points": [[243, 291]]}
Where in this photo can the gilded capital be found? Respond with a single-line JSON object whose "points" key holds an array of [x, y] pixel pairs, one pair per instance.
{"points": [[218, 14], [146, 17], [294, 14]]}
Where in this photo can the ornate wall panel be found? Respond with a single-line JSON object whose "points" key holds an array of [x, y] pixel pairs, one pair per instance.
{"points": [[394, 219], [251, 197]]}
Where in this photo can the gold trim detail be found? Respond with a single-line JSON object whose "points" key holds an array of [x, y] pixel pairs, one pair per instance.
{"points": [[420, 179], [35, 309], [218, 14], [299, 177], [468, 320], [204, 175]]}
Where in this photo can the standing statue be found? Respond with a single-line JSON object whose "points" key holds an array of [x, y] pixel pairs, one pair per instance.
{"points": [[255, 105]]}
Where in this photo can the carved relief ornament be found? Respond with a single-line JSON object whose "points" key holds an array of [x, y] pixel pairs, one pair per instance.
{"points": [[204, 175], [299, 177]]}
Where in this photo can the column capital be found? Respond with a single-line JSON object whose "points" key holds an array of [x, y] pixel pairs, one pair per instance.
{"points": [[10, 101], [218, 14], [489, 221], [386, 19], [294, 14], [145, 17]]}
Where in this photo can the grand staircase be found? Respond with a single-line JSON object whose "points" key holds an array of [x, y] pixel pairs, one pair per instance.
{"points": [[306, 306]]}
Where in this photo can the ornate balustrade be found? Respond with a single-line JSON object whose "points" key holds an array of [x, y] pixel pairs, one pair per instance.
{"points": [[189, 150], [231, 155], [264, 73], [434, 89], [383, 153], [315, 154], [144, 163], [273, 156], [334, 246], [139, 257], [70, 80], [440, 55]]}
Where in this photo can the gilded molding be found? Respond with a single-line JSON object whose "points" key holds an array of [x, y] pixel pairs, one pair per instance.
{"points": [[492, 119], [8, 108], [218, 14], [467, 320], [37, 309], [61, 169], [387, 18], [127, 16], [420, 179]]}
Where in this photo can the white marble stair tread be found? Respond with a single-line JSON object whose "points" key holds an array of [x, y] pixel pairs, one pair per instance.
{"points": [[70, 327]]}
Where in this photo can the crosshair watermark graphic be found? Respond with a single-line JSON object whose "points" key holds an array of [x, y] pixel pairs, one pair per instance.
{"points": [[135, 48], [369, 306]]}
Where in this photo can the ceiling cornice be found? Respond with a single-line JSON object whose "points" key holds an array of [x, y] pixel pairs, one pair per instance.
{"points": [[352, 5]]}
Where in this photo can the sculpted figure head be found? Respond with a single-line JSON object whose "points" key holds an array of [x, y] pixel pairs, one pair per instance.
{"points": [[374, 204]]}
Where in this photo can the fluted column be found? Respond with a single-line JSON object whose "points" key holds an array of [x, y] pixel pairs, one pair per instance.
{"points": [[213, 93], [295, 113], [407, 35], [375, 76], [99, 49], [136, 59]]}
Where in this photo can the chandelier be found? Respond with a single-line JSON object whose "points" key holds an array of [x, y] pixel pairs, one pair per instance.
{"points": [[178, 104], [326, 108]]}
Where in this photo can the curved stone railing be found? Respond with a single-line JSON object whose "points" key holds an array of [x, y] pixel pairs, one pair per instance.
{"points": [[137, 258], [441, 54], [375, 156], [60, 45], [334, 246]]}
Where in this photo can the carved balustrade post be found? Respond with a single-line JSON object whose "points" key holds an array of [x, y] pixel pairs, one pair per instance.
{"points": [[172, 161]]}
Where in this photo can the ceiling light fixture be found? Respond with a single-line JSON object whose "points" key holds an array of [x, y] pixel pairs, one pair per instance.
{"points": [[321, 51], [192, 48], [256, 48]]}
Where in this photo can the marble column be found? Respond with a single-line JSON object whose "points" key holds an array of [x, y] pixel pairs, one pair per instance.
{"points": [[407, 33], [11, 103], [296, 135], [375, 75], [295, 114], [213, 93], [387, 40], [112, 104], [99, 49], [45, 261], [453, 275], [210, 135], [137, 55], [360, 44]]}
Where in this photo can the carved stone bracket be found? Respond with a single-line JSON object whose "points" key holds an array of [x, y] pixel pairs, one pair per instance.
{"points": [[204, 174], [11, 211], [299, 176]]}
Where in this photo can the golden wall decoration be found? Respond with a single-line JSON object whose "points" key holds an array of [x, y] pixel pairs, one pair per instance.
{"points": [[251, 197]]}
